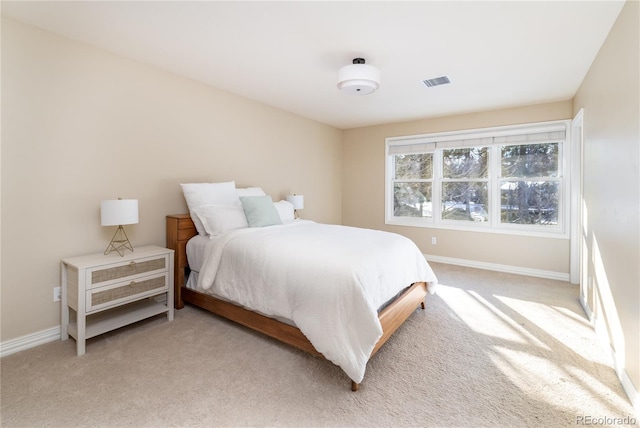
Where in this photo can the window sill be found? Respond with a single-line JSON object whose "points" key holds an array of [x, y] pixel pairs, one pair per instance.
{"points": [[477, 227]]}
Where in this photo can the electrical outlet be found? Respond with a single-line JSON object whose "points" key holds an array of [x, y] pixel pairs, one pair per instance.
{"points": [[57, 292], [434, 241]]}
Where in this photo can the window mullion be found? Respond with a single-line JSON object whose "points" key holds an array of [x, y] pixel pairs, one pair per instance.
{"points": [[437, 186], [495, 175]]}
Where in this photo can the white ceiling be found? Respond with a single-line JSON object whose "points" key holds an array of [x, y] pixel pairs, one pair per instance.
{"points": [[287, 54]]}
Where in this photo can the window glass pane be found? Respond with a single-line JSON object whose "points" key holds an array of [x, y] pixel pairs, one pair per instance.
{"points": [[465, 200], [530, 160], [529, 202], [414, 166], [465, 163], [412, 199]]}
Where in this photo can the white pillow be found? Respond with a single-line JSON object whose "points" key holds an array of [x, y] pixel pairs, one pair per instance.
{"points": [[250, 191], [285, 211], [198, 194], [217, 219]]}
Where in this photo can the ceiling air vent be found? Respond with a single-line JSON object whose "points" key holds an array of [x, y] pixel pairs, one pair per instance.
{"points": [[436, 81]]}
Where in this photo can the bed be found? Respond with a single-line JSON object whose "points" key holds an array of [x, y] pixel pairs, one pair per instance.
{"points": [[345, 334]]}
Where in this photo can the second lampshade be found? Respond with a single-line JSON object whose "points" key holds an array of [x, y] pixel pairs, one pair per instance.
{"points": [[298, 203]]}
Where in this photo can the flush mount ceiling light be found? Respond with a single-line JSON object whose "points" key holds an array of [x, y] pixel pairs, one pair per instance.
{"points": [[358, 78]]}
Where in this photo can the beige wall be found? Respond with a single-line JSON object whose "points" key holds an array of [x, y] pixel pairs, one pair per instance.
{"points": [[363, 192], [610, 97], [80, 125]]}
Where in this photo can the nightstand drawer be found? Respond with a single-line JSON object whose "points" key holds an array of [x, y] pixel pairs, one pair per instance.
{"points": [[98, 298], [120, 271]]}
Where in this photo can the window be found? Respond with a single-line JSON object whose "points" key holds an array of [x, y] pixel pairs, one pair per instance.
{"points": [[412, 185], [465, 184], [507, 180]]}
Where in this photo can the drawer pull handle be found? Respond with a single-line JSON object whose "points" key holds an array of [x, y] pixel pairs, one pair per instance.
{"points": [[132, 284], [132, 264]]}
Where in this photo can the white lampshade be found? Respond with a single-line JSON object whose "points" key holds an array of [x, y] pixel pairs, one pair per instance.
{"points": [[358, 78], [117, 212], [297, 201]]}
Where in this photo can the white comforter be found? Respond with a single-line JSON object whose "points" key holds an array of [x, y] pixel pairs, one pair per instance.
{"points": [[329, 280]]}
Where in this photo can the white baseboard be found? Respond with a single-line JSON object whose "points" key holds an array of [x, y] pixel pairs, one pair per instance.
{"points": [[619, 366], [29, 341], [618, 362], [561, 276], [603, 337], [586, 308], [631, 391]]}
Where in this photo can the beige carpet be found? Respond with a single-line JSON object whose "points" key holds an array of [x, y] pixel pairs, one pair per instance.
{"points": [[491, 349]]}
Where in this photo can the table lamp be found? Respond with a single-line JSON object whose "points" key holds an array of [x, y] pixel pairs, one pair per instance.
{"points": [[298, 203], [119, 212]]}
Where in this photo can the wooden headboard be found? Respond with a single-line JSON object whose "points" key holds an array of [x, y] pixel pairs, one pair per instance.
{"points": [[180, 229]]}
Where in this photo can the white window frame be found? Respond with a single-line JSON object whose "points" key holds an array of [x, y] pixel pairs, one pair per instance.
{"points": [[474, 138]]}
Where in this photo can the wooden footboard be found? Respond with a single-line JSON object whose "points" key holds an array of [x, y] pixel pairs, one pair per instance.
{"points": [[180, 229]]}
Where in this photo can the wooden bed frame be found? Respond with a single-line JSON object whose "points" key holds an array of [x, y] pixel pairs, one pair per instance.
{"points": [[180, 229]]}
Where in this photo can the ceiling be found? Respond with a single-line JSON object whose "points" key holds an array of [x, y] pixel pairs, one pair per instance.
{"points": [[287, 54]]}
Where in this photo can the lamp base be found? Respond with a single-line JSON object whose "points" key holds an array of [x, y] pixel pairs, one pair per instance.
{"points": [[119, 243]]}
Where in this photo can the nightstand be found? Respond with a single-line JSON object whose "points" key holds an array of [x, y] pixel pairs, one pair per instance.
{"points": [[101, 292]]}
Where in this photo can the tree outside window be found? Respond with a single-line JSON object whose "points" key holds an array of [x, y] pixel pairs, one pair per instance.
{"points": [[412, 185], [530, 189], [464, 184]]}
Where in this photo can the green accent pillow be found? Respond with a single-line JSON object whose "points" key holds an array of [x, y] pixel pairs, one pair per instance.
{"points": [[260, 211]]}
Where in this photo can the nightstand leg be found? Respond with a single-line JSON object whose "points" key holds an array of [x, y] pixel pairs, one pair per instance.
{"points": [[170, 297], [80, 341], [64, 307], [64, 331]]}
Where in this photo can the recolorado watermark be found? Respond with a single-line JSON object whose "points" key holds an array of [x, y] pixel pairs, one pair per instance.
{"points": [[605, 420]]}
